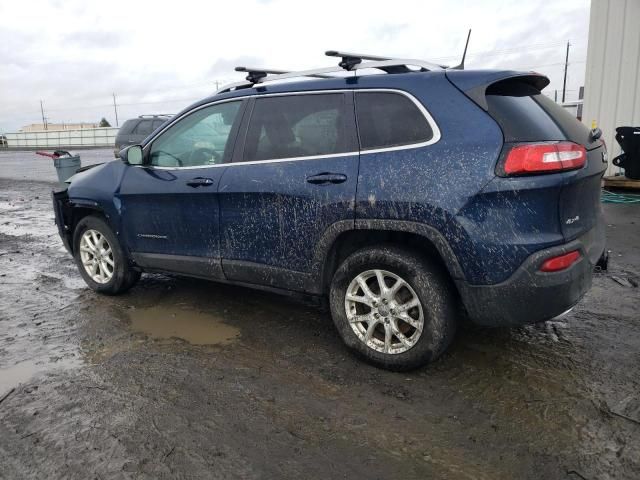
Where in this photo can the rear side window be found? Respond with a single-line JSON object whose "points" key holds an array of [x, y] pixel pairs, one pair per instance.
{"points": [[143, 128], [516, 106], [296, 126], [127, 127], [387, 119]]}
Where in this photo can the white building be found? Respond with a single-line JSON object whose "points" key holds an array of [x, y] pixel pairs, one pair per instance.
{"points": [[612, 83]]}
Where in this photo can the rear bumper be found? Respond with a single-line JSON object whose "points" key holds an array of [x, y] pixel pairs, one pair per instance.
{"points": [[531, 296]]}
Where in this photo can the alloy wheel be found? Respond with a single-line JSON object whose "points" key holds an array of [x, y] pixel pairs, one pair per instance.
{"points": [[384, 311], [97, 256]]}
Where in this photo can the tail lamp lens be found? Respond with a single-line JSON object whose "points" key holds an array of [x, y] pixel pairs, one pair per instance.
{"points": [[534, 158], [561, 262]]}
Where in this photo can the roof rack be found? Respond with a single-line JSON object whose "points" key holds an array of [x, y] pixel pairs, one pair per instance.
{"points": [[349, 62], [257, 75], [157, 115]]}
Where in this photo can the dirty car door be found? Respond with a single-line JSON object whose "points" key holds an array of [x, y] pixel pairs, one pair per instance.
{"points": [[295, 176], [170, 205]]}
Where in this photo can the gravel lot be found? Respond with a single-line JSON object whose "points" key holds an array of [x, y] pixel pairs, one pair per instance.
{"points": [[183, 378]]}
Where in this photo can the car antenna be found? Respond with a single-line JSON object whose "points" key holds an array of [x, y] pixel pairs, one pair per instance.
{"points": [[464, 54]]}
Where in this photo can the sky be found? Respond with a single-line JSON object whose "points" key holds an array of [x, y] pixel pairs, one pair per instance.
{"points": [[158, 57]]}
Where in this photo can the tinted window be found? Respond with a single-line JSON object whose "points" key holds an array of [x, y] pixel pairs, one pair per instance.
{"points": [[143, 128], [128, 126], [296, 126], [198, 139], [389, 120], [573, 129], [516, 107]]}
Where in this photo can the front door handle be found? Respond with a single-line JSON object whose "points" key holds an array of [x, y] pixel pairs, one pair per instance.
{"points": [[200, 182], [326, 178]]}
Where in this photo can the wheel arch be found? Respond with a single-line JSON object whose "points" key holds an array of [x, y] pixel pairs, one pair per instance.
{"points": [[78, 211], [340, 241]]}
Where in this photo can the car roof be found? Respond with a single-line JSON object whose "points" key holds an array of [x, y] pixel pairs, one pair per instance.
{"points": [[309, 84], [400, 81]]}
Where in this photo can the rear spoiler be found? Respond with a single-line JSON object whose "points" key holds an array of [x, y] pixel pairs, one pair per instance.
{"points": [[474, 84]]}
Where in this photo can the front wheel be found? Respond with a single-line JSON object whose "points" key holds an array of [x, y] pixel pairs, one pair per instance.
{"points": [[393, 307], [100, 258]]}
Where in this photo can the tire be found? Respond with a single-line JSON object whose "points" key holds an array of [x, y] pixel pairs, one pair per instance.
{"points": [[429, 327], [113, 274]]}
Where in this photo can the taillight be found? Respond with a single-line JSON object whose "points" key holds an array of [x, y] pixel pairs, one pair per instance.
{"points": [[534, 158], [561, 262]]}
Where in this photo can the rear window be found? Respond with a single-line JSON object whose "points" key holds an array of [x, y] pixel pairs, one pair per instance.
{"points": [[573, 129], [387, 119], [515, 106]]}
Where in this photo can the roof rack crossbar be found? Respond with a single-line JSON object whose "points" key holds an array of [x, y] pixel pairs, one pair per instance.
{"points": [[258, 75], [350, 60], [261, 75]]}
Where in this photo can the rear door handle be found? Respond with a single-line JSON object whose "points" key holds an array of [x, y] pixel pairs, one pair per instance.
{"points": [[325, 178], [200, 182]]}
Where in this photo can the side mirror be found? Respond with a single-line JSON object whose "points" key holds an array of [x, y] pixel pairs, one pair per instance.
{"points": [[132, 155]]}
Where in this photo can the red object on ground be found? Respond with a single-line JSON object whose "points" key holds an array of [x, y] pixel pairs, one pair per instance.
{"points": [[45, 154], [55, 154]]}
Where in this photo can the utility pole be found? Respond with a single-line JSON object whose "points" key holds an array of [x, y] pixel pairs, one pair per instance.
{"points": [[217, 87], [44, 121], [555, 95], [115, 109], [564, 82]]}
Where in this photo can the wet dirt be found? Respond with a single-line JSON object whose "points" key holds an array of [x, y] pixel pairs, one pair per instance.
{"points": [[244, 384], [197, 328]]}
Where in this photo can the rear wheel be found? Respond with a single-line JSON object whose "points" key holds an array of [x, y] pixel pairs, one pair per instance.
{"points": [[393, 307], [100, 258]]}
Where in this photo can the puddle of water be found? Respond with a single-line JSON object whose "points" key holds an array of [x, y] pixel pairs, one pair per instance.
{"points": [[22, 372], [13, 376], [196, 328]]}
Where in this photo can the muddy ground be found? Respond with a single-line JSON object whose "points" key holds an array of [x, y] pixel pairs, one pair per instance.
{"points": [[182, 378]]}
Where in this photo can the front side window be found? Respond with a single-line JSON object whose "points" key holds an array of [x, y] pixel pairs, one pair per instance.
{"points": [[296, 126], [387, 119], [198, 139]]}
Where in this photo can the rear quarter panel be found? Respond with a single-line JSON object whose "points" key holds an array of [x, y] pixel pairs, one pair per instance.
{"points": [[432, 184]]}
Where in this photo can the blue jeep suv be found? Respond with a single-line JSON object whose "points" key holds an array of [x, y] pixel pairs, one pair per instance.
{"points": [[405, 199]]}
